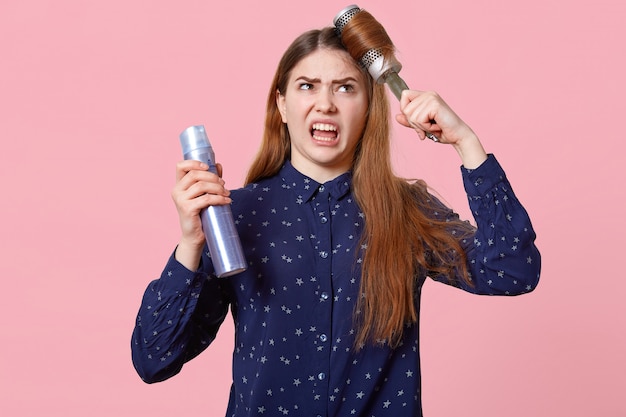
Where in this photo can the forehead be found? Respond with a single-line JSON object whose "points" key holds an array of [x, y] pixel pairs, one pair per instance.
{"points": [[327, 65]]}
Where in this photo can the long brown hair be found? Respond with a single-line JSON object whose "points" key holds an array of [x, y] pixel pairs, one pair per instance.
{"points": [[402, 241]]}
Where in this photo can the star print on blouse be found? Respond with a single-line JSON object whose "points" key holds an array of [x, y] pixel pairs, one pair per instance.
{"points": [[293, 307]]}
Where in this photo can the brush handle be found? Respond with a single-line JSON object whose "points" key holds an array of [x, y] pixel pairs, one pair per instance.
{"points": [[397, 85]]}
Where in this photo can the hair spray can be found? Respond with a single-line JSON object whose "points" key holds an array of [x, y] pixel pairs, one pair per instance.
{"points": [[217, 221]]}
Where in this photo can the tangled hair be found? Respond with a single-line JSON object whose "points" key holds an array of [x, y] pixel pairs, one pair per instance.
{"points": [[364, 33], [403, 242]]}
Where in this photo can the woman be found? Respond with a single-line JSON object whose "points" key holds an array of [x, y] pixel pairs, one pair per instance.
{"points": [[326, 315]]}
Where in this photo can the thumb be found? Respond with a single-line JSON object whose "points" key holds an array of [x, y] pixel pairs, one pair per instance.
{"points": [[402, 119]]}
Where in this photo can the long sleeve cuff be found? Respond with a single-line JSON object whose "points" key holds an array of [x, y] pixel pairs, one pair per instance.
{"points": [[481, 180]]}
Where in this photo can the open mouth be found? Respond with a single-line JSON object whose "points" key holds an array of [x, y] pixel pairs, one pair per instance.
{"points": [[324, 132]]}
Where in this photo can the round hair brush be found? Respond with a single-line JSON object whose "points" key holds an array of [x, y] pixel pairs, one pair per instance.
{"points": [[368, 43]]}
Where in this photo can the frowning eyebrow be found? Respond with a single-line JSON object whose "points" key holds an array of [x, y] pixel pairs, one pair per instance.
{"points": [[317, 80]]}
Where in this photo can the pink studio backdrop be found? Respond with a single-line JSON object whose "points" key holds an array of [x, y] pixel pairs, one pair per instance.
{"points": [[94, 94]]}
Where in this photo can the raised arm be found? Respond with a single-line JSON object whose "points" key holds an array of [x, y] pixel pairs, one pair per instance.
{"points": [[502, 256]]}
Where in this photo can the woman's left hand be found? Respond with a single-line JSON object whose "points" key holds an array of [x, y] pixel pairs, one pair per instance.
{"points": [[427, 112]]}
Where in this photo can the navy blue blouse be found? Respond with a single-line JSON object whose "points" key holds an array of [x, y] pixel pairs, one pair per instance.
{"points": [[293, 307]]}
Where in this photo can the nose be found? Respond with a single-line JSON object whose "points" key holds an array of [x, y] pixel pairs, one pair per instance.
{"points": [[325, 102]]}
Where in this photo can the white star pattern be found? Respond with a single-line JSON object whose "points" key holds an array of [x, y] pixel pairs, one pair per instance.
{"points": [[293, 307]]}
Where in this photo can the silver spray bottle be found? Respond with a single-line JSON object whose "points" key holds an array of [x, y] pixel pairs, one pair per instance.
{"points": [[217, 221]]}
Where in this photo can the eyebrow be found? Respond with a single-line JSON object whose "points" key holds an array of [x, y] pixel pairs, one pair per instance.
{"points": [[317, 80]]}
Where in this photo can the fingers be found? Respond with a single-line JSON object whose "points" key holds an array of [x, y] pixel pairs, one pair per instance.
{"points": [[404, 121], [183, 167], [197, 188], [419, 113], [428, 114], [190, 171], [421, 107]]}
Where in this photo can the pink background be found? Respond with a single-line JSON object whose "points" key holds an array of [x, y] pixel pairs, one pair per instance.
{"points": [[94, 94]]}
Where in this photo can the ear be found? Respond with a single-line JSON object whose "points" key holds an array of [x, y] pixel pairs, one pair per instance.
{"points": [[282, 107]]}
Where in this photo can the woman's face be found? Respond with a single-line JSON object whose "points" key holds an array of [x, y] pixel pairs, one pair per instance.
{"points": [[325, 108]]}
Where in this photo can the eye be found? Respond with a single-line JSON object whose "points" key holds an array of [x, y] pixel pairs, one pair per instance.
{"points": [[346, 88], [305, 86]]}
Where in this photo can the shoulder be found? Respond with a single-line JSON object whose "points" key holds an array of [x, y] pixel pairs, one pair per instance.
{"points": [[255, 192]]}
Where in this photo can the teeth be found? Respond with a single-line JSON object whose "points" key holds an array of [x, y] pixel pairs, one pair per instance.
{"points": [[325, 127], [322, 139]]}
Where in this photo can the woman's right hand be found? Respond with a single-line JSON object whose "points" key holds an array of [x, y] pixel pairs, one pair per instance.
{"points": [[196, 188]]}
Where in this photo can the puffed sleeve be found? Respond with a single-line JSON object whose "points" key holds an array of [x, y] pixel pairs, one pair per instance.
{"points": [[179, 317], [501, 253]]}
